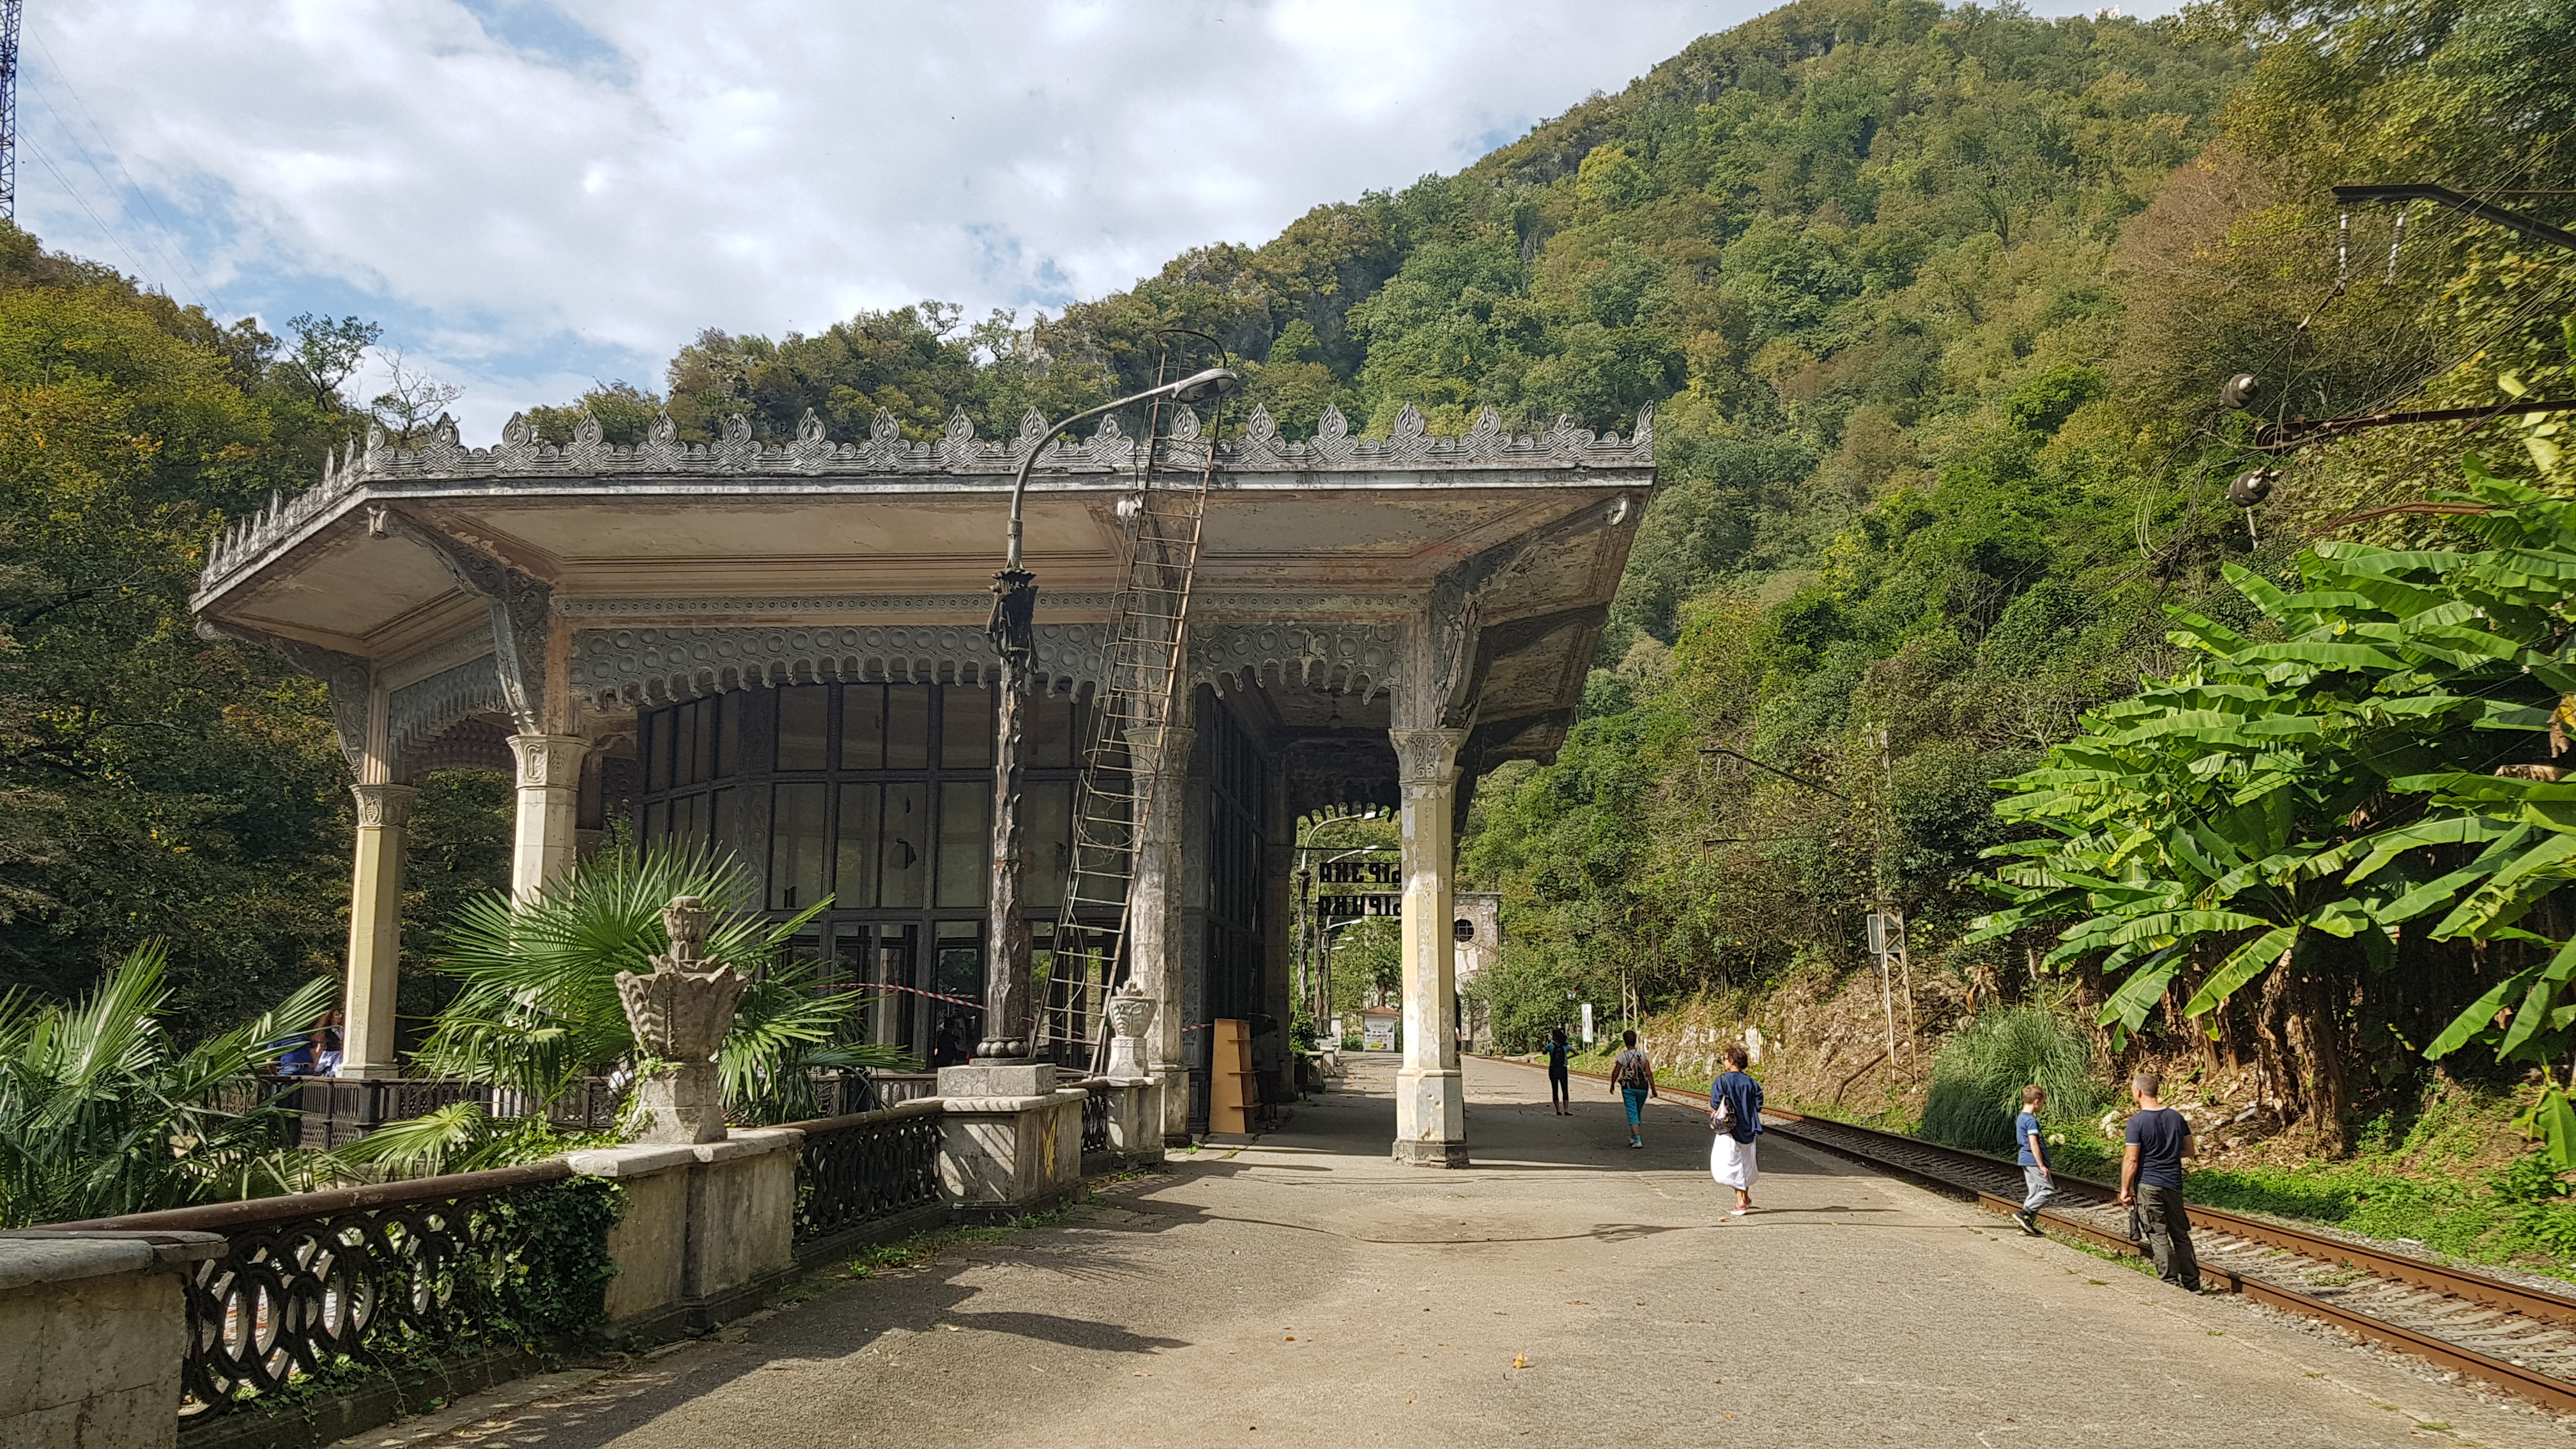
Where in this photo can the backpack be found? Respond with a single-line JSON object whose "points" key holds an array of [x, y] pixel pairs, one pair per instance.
{"points": [[1635, 1074]]}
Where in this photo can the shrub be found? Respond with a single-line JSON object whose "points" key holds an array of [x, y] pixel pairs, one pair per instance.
{"points": [[1978, 1074]]}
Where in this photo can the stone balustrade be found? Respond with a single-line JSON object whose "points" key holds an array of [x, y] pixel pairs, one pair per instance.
{"points": [[103, 1324]]}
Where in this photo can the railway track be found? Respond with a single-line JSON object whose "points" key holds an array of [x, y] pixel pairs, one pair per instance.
{"points": [[2517, 1338]]}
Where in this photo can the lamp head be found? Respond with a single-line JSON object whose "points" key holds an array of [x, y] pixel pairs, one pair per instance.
{"points": [[1200, 386]]}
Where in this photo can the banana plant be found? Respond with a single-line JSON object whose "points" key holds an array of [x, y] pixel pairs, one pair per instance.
{"points": [[2335, 776]]}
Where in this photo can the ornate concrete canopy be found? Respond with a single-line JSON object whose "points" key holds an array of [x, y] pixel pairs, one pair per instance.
{"points": [[545, 588]]}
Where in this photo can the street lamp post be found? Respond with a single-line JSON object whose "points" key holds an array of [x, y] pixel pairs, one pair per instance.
{"points": [[1008, 1006]]}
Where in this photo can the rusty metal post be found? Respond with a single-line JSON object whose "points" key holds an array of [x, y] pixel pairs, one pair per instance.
{"points": [[1008, 968]]}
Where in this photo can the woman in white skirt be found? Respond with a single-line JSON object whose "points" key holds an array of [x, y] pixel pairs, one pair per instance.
{"points": [[1734, 1119]]}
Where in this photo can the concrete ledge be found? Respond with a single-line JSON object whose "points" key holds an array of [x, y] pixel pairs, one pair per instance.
{"points": [[999, 1105], [744, 1142], [630, 1161], [1432, 1154], [32, 1256]]}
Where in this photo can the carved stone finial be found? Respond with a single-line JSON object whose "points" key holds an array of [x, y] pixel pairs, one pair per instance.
{"points": [[586, 431], [685, 920], [809, 429], [680, 1012], [517, 433], [1130, 1012], [1333, 440], [664, 432]]}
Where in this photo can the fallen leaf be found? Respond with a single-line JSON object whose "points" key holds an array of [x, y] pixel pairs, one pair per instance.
{"points": [[1519, 1362]]}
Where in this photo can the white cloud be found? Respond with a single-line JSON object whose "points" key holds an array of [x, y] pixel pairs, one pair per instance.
{"points": [[531, 195]]}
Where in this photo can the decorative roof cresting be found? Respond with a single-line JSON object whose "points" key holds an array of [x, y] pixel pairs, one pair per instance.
{"points": [[521, 455]]}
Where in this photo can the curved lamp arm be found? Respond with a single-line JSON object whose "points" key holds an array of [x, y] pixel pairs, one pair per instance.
{"points": [[1214, 382]]}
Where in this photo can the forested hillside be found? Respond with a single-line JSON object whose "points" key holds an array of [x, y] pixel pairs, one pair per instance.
{"points": [[1934, 306]]}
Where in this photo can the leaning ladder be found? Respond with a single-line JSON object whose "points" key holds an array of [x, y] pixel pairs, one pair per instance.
{"points": [[1147, 668]]}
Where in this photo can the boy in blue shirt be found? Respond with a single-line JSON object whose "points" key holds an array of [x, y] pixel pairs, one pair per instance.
{"points": [[2038, 1183]]}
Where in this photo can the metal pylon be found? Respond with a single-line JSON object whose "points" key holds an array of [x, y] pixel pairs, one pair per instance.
{"points": [[1147, 669]]}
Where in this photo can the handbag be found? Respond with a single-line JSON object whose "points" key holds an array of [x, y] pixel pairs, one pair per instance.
{"points": [[1721, 1115]]}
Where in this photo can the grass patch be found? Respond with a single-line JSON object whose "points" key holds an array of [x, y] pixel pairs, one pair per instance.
{"points": [[924, 1247]]}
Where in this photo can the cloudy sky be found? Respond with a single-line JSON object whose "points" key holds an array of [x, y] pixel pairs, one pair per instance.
{"points": [[533, 195]]}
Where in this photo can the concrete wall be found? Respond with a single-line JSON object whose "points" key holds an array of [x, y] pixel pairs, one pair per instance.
{"points": [[92, 1327], [705, 1228]]}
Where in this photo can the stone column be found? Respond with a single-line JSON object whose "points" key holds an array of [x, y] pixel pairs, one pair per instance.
{"points": [[1154, 912], [547, 841], [375, 932], [1430, 1111]]}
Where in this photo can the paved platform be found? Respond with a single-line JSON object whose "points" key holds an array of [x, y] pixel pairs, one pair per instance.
{"points": [[1566, 1290]]}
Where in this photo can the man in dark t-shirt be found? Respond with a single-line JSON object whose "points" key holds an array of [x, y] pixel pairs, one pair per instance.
{"points": [[2151, 1178]]}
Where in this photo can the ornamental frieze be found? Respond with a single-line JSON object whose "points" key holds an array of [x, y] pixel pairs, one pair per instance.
{"points": [[653, 666], [523, 457], [1342, 658]]}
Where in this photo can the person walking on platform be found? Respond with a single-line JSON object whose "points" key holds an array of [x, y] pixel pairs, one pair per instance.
{"points": [[2151, 1183], [1560, 1080], [2038, 1183], [1734, 1120], [1635, 1076]]}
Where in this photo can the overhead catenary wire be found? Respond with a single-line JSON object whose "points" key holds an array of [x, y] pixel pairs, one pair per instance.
{"points": [[161, 229]]}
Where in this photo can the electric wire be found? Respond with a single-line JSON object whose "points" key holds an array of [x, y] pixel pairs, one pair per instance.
{"points": [[161, 228], [82, 202], [112, 234], [153, 240]]}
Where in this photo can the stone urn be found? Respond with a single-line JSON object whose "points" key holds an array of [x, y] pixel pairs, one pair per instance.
{"points": [[680, 1012], [1130, 1013]]}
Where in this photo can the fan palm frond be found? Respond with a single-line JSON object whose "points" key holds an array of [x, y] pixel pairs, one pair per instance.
{"points": [[100, 1116], [539, 1007]]}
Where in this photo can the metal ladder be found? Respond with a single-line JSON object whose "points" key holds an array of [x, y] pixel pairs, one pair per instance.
{"points": [[1147, 669]]}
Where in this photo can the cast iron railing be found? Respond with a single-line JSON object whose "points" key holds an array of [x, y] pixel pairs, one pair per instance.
{"points": [[856, 1169], [371, 1273], [1095, 1118]]}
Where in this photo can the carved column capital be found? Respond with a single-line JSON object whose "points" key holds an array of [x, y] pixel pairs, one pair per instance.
{"points": [[1162, 749], [1427, 757], [384, 807], [549, 762]]}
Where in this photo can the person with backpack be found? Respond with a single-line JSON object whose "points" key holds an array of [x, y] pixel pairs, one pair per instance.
{"points": [[1560, 1078], [1634, 1074], [1734, 1120]]}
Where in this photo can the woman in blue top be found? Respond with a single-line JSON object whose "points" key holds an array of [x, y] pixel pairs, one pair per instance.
{"points": [[1560, 1080], [1735, 1119]]}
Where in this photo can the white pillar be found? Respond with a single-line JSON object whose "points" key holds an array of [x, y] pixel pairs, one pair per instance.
{"points": [[1154, 912], [1430, 1108], [375, 932], [546, 842]]}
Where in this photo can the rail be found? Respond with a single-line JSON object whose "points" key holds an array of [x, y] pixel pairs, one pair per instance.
{"points": [[369, 1273], [2404, 1303], [857, 1169]]}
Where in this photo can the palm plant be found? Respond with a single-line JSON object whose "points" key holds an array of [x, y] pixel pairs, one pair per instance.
{"points": [[538, 1009], [101, 1115]]}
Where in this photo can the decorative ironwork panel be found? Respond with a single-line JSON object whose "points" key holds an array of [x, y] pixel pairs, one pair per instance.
{"points": [[1095, 1118], [294, 1294], [876, 1165]]}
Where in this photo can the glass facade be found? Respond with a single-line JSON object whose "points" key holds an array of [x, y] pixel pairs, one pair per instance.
{"points": [[877, 799], [1238, 798]]}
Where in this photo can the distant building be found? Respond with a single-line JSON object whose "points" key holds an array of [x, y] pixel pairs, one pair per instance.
{"points": [[1477, 930]]}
